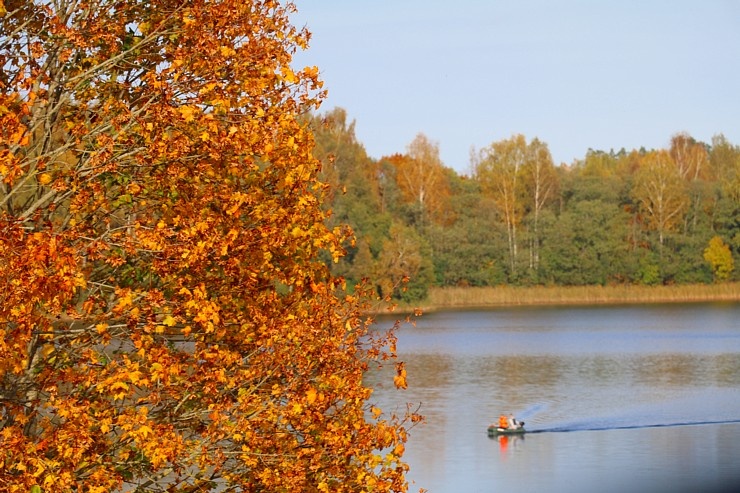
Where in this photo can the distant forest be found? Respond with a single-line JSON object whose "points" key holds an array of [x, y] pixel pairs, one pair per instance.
{"points": [[657, 216]]}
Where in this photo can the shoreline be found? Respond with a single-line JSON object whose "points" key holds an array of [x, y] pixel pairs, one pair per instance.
{"points": [[508, 296]]}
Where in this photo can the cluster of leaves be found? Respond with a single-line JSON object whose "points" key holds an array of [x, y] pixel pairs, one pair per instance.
{"points": [[167, 318], [641, 216]]}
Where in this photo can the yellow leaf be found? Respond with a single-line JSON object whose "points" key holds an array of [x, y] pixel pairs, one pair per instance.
{"points": [[289, 76], [44, 178], [46, 350], [400, 379], [125, 300], [312, 71], [187, 112], [123, 387], [134, 376], [169, 321], [144, 431], [311, 396]]}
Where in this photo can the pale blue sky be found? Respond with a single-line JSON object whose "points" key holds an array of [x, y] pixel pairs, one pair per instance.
{"points": [[575, 74]]}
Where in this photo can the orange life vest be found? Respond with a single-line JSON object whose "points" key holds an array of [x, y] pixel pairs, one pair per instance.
{"points": [[503, 422]]}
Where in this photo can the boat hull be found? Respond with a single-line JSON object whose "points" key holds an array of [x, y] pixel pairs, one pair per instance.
{"points": [[496, 431]]}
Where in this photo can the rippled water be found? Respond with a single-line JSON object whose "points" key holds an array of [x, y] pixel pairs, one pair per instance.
{"points": [[619, 398]]}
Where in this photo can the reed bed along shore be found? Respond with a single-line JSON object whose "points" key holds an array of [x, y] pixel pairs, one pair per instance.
{"points": [[469, 297]]}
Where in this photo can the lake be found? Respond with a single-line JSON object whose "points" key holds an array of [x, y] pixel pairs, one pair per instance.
{"points": [[615, 398]]}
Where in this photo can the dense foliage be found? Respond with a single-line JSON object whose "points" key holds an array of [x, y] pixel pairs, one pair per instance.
{"points": [[663, 216], [167, 318]]}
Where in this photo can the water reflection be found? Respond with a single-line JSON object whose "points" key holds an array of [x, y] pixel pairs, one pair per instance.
{"points": [[509, 444], [675, 370]]}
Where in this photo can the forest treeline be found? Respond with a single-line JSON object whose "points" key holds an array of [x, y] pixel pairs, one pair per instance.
{"points": [[641, 216]]}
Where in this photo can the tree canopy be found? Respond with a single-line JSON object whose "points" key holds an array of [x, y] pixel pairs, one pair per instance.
{"points": [[168, 320]]}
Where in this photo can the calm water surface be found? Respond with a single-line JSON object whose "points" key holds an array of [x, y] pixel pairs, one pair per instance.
{"points": [[625, 398]]}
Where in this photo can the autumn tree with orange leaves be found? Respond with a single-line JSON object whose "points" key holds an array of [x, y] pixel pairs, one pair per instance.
{"points": [[166, 321]]}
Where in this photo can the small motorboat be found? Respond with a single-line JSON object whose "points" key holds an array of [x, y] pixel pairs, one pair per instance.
{"points": [[494, 431]]}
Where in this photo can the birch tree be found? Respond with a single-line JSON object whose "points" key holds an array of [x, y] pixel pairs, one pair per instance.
{"points": [[660, 191], [541, 183], [499, 169], [421, 178]]}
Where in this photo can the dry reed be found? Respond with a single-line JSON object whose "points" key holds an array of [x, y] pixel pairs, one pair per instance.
{"points": [[576, 295]]}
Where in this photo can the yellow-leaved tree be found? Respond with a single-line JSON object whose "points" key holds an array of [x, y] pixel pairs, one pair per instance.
{"points": [[166, 320], [719, 257], [661, 192]]}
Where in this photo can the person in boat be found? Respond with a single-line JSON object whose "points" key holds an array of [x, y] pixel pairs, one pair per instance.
{"points": [[503, 422], [513, 423]]}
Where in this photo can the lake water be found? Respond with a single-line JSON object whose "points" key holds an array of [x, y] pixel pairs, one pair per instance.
{"points": [[616, 398]]}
